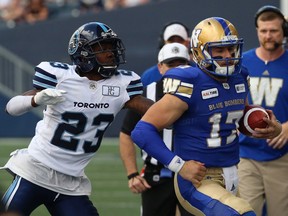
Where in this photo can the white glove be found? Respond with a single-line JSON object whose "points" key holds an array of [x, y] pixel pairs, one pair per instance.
{"points": [[49, 96]]}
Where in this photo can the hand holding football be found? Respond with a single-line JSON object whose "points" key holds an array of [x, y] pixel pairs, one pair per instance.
{"points": [[252, 118]]}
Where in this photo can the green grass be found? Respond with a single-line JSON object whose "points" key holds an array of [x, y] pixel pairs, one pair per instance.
{"points": [[110, 193]]}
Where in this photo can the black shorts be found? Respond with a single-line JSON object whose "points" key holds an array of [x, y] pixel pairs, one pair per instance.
{"points": [[160, 199]]}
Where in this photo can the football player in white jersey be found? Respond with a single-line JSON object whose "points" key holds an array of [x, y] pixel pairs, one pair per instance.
{"points": [[81, 102]]}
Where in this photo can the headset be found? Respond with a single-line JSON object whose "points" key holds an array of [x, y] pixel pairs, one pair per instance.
{"points": [[161, 36], [276, 10]]}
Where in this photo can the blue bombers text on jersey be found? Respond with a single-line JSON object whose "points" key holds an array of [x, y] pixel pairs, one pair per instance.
{"points": [[206, 132]]}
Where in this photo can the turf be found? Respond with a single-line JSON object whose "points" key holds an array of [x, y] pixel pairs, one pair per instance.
{"points": [[110, 193]]}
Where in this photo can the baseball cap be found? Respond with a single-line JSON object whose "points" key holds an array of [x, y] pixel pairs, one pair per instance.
{"points": [[175, 30], [173, 51]]}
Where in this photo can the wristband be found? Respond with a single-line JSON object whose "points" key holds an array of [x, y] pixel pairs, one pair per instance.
{"points": [[132, 175], [176, 164]]}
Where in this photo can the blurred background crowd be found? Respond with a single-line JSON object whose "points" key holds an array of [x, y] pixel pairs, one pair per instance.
{"points": [[28, 36], [17, 12]]}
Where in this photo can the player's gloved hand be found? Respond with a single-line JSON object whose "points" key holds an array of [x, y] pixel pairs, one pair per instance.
{"points": [[49, 96]]}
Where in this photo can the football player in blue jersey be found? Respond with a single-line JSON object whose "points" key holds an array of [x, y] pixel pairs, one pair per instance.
{"points": [[263, 166], [204, 105], [81, 102], [154, 182]]}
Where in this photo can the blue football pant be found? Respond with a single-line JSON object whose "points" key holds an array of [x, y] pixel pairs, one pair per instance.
{"points": [[23, 197]]}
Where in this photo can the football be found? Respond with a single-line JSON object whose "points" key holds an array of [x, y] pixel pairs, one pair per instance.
{"points": [[252, 118]]}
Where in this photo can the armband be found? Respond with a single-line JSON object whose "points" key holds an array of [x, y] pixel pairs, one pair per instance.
{"points": [[19, 105], [132, 175], [176, 164]]}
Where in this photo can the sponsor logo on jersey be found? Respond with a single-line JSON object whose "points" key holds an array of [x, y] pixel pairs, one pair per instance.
{"points": [[111, 91], [210, 93], [240, 88]]}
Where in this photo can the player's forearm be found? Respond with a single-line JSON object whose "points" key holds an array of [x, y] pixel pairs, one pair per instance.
{"points": [[127, 153], [146, 136], [19, 105]]}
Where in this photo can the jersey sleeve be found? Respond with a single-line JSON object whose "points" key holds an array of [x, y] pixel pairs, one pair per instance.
{"points": [[135, 86], [179, 82], [47, 74]]}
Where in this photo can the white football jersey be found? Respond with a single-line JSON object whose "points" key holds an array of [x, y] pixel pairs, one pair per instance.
{"points": [[71, 131]]}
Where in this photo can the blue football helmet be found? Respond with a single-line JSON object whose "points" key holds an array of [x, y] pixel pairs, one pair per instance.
{"points": [[81, 52], [216, 32]]}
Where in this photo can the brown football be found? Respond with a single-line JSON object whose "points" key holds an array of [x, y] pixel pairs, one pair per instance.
{"points": [[252, 118]]}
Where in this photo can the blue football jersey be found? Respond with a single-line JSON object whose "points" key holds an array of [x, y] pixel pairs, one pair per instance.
{"points": [[207, 131], [151, 75], [269, 88]]}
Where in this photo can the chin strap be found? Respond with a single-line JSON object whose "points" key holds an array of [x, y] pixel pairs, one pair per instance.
{"points": [[224, 71], [107, 71]]}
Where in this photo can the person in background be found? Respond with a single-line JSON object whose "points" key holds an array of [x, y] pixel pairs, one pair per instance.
{"points": [[263, 179], [13, 13], [94, 6], [35, 11], [4, 4], [155, 182], [81, 101], [204, 105], [116, 4], [172, 32], [285, 44]]}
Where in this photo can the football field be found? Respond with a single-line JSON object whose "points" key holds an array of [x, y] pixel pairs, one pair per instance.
{"points": [[110, 193]]}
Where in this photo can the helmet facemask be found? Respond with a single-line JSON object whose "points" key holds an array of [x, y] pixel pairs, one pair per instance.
{"points": [[217, 33], [106, 69], [212, 64]]}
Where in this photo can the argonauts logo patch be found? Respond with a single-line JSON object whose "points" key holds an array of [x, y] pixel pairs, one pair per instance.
{"points": [[111, 91]]}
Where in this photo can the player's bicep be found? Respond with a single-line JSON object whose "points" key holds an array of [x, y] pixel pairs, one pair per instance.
{"points": [[139, 104], [165, 112]]}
